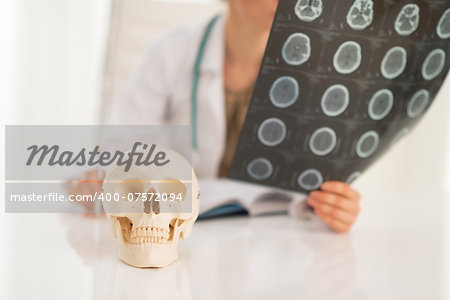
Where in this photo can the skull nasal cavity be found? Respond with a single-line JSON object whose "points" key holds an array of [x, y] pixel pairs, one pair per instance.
{"points": [[147, 208], [150, 205], [155, 207]]}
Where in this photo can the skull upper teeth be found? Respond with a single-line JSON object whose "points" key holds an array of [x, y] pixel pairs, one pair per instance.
{"points": [[148, 234]]}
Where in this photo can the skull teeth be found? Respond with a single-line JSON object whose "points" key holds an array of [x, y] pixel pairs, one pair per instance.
{"points": [[148, 234], [152, 240]]}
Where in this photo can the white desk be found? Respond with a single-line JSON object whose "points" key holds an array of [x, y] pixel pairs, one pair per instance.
{"points": [[399, 249]]}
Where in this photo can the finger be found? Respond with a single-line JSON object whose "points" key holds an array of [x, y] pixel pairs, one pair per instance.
{"points": [[340, 188], [90, 184], [333, 212], [82, 190], [336, 200], [334, 224], [92, 188], [93, 178], [103, 175]]}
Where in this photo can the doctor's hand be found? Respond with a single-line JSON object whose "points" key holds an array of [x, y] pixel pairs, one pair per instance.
{"points": [[337, 204], [90, 183]]}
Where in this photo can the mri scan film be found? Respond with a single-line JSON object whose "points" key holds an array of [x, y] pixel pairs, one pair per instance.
{"points": [[341, 83]]}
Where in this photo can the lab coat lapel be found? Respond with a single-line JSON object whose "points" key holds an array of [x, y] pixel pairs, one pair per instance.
{"points": [[211, 103]]}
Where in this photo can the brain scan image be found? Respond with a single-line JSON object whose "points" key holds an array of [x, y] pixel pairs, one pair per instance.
{"points": [[380, 104], [418, 103], [347, 57], [367, 144], [323, 141], [407, 20], [272, 132], [340, 84], [284, 92], [259, 169], [352, 177], [433, 64], [394, 62], [310, 179], [443, 27], [308, 10], [335, 100], [297, 49], [360, 14]]}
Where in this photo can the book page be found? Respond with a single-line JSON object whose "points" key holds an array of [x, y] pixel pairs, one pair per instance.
{"points": [[217, 192]]}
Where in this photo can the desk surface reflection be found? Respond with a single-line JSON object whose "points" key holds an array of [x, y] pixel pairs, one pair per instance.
{"points": [[398, 250]]}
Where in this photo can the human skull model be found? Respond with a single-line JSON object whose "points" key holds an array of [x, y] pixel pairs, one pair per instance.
{"points": [[150, 208]]}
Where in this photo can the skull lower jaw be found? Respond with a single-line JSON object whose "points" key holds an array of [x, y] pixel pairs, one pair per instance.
{"points": [[151, 250], [148, 255]]}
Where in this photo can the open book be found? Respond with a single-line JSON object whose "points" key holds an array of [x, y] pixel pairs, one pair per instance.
{"points": [[225, 197]]}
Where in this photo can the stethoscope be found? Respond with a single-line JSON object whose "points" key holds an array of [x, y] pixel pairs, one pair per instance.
{"points": [[196, 79]]}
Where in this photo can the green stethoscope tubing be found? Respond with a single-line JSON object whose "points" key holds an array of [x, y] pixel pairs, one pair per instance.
{"points": [[196, 79]]}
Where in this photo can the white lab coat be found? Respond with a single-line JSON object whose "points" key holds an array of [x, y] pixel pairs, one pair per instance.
{"points": [[159, 93]]}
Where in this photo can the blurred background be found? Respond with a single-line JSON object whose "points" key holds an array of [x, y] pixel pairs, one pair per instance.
{"points": [[64, 60]]}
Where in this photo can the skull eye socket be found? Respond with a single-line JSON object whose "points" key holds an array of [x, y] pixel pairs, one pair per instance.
{"points": [[129, 188], [168, 191], [171, 186]]}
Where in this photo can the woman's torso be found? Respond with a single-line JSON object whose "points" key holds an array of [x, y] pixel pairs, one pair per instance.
{"points": [[159, 92]]}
